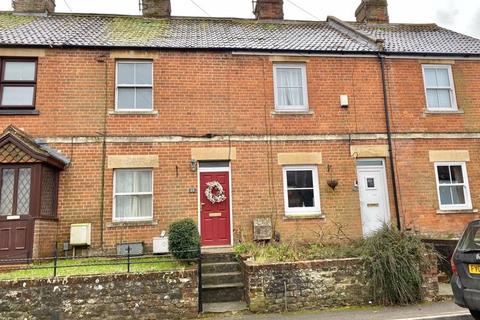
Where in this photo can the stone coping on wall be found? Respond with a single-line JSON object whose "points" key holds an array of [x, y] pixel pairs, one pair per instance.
{"points": [[325, 263], [95, 279]]}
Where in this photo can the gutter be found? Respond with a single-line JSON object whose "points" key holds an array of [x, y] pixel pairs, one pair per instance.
{"points": [[235, 50]]}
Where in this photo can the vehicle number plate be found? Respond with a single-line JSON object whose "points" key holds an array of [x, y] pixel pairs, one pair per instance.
{"points": [[474, 268]]}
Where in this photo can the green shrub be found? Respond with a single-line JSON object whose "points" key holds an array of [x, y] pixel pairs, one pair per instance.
{"points": [[292, 251], [394, 261], [184, 240]]}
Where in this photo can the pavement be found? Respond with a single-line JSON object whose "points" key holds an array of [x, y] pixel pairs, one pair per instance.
{"points": [[446, 310]]}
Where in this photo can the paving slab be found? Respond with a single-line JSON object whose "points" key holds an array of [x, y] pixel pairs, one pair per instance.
{"points": [[224, 307], [445, 310]]}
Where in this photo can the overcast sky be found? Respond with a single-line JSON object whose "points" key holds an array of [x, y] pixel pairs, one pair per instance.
{"points": [[459, 15]]}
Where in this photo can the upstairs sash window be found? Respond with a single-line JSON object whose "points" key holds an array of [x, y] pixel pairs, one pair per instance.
{"points": [[290, 82], [134, 86], [439, 88]]}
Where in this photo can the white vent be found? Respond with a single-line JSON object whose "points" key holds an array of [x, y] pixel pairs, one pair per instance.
{"points": [[80, 234]]}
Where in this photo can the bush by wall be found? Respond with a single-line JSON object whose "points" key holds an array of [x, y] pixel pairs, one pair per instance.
{"points": [[184, 240], [395, 262]]}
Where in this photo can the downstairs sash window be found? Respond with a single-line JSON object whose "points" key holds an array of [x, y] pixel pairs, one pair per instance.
{"points": [[133, 195]]}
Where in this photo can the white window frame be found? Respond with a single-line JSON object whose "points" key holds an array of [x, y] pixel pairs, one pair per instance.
{"points": [[115, 194], [124, 85], [453, 96], [316, 209], [468, 200], [299, 108]]}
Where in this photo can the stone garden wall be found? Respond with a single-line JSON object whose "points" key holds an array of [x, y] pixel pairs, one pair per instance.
{"points": [[313, 284], [162, 295]]}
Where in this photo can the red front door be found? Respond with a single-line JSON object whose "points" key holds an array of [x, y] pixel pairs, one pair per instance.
{"points": [[215, 216]]}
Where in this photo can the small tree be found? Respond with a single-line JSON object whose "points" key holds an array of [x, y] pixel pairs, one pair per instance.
{"points": [[184, 240]]}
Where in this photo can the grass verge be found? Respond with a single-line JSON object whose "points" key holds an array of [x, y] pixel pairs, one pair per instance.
{"points": [[92, 266]]}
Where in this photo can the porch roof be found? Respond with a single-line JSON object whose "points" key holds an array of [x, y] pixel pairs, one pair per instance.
{"points": [[17, 147]]}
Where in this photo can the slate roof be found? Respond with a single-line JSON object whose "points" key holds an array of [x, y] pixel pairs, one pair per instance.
{"points": [[87, 30], [420, 38]]}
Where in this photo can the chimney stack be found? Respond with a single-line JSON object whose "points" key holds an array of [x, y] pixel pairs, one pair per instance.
{"points": [[269, 9], [372, 11], [156, 8], [33, 6]]}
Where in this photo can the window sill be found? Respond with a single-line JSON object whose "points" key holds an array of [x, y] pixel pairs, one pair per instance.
{"points": [[458, 211], [13, 112], [293, 113], [444, 112], [307, 216], [122, 224], [132, 113]]}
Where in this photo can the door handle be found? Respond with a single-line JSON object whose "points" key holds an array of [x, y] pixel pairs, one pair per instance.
{"points": [[202, 204], [373, 205]]}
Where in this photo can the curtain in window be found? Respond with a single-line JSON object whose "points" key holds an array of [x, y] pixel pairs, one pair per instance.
{"points": [[289, 87], [438, 88], [134, 194]]}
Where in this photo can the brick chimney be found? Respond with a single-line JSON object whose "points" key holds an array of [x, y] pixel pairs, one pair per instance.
{"points": [[372, 11], [269, 9], [33, 6], [156, 8]]}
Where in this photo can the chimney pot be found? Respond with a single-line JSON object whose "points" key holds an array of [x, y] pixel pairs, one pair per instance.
{"points": [[33, 6], [372, 11], [156, 8], [269, 9]]}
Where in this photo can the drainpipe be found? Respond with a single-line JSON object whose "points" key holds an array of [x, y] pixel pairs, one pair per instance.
{"points": [[103, 59], [389, 139]]}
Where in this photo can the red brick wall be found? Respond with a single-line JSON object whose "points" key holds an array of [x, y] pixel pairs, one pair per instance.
{"points": [[418, 190], [200, 93], [416, 175], [44, 238], [220, 93], [408, 103]]}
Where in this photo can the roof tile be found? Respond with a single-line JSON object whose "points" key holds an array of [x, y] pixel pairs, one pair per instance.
{"points": [[224, 33]]}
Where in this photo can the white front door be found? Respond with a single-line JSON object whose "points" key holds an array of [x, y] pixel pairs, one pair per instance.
{"points": [[373, 192]]}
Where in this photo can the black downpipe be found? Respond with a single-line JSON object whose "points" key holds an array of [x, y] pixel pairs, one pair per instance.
{"points": [[389, 139]]}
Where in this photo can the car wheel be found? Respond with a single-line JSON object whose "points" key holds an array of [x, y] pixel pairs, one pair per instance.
{"points": [[475, 314]]}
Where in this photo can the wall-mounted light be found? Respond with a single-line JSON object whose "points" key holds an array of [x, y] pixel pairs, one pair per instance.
{"points": [[344, 101], [193, 165]]}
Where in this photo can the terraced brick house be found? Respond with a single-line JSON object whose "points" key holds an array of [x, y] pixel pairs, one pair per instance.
{"points": [[129, 123]]}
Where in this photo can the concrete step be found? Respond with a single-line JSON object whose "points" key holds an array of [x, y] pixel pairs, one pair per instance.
{"points": [[224, 307], [220, 267], [226, 292], [218, 257], [219, 278]]}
